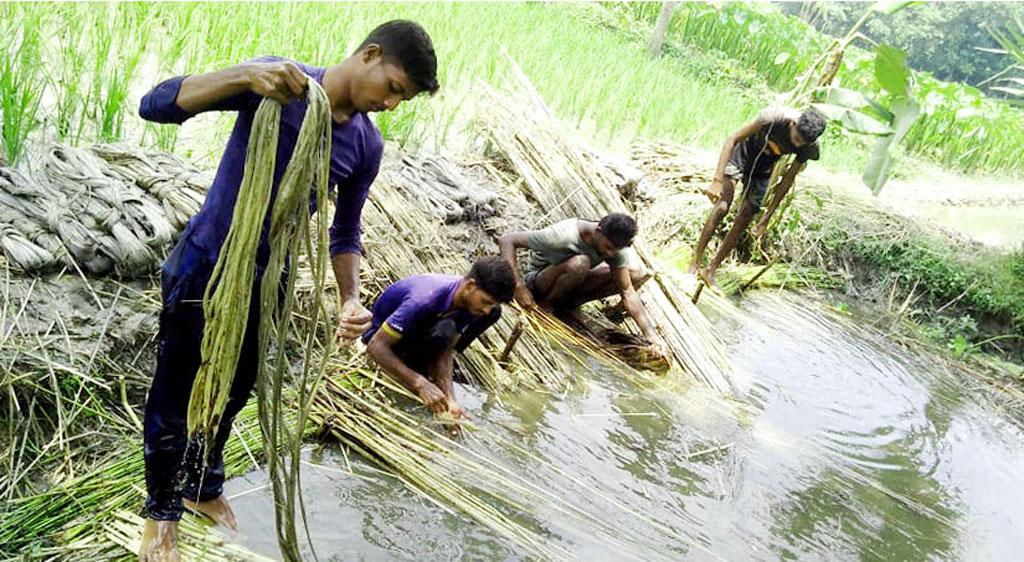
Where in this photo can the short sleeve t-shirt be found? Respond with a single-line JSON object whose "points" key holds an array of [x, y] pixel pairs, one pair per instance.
{"points": [[754, 156], [562, 240], [415, 303]]}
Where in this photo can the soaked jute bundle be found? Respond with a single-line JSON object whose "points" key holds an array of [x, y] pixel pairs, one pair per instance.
{"points": [[124, 226], [228, 294], [107, 209]]}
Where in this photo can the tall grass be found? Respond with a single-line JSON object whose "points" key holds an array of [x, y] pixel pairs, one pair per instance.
{"points": [[588, 62], [959, 127], [20, 75], [66, 79], [604, 81]]}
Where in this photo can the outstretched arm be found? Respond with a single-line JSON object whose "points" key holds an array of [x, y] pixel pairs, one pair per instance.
{"points": [[508, 244], [232, 89], [781, 189], [635, 307]]}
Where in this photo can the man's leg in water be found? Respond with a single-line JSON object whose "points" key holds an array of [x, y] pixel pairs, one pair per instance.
{"points": [[165, 440], [178, 356], [556, 285], [743, 217], [204, 485], [718, 212]]}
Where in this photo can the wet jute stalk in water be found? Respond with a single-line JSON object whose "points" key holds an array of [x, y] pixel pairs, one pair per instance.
{"points": [[229, 292]]}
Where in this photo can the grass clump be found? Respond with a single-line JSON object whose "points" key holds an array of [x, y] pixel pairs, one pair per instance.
{"points": [[960, 288]]}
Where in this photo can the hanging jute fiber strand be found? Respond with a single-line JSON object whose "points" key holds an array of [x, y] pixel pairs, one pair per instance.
{"points": [[229, 293]]}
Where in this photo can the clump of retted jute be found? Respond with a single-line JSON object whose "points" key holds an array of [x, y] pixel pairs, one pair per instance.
{"points": [[229, 292], [100, 211]]}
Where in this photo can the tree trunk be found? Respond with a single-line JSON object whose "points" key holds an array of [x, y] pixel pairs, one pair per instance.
{"points": [[658, 36]]}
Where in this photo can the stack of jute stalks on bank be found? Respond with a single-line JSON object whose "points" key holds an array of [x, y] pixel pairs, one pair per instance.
{"points": [[563, 183]]}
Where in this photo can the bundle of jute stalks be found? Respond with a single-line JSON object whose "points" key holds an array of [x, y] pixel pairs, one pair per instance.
{"points": [[563, 181]]}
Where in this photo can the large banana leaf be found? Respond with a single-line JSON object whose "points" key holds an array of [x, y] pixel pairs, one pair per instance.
{"points": [[876, 172]]}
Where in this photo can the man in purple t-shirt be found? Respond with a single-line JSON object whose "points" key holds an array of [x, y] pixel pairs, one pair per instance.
{"points": [[393, 64], [421, 321]]}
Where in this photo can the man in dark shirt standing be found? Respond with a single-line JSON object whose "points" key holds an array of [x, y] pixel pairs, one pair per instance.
{"points": [[748, 156], [394, 63]]}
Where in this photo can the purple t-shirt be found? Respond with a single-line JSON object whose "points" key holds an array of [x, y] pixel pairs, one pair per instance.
{"points": [[415, 303], [356, 149]]}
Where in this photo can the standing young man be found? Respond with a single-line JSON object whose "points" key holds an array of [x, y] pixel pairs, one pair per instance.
{"points": [[421, 321], [576, 261], [749, 155], [394, 63]]}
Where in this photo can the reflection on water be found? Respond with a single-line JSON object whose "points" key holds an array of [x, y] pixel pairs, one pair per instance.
{"points": [[842, 446]]}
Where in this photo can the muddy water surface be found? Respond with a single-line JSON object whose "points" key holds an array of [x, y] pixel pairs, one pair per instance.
{"points": [[842, 446]]}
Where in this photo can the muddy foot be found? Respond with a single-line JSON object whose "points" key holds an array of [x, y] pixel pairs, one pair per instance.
{"points": [[159, 542], [217, 510]]}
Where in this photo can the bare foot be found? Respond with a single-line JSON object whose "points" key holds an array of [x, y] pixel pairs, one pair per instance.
{"points": [[159, 542], [694, 266], [216, 509], [708, 277]]}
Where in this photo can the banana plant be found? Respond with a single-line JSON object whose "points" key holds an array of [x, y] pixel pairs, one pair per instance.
{"points": [[1011, 39], [898, 82], [889, 122]]}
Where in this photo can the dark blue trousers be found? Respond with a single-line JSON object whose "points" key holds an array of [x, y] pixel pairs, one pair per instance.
{"points": [[173, 469]]}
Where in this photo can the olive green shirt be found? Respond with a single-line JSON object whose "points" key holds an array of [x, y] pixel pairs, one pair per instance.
{"points": [[561, 241]]}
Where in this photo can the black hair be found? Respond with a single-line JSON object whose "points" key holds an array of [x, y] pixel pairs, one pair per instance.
{"points": [[619, 228], [494, 275], [407, 43], [811, 124]]}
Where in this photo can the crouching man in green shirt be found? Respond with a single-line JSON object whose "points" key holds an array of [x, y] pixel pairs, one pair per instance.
{"points": [[576, 261]]}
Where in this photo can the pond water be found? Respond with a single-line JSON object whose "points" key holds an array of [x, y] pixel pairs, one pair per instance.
{"points": [[840, 446], [994, 226]]}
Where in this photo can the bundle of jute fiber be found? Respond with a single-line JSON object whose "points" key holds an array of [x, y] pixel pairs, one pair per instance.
{"points": [[128, 229], [177, 185], [562, 181], [229, 291], [24, 208], [21, 252]]}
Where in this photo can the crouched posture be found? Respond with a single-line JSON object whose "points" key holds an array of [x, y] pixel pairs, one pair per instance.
{"points": [[576, 261], [421, 321], [749, 155]]}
